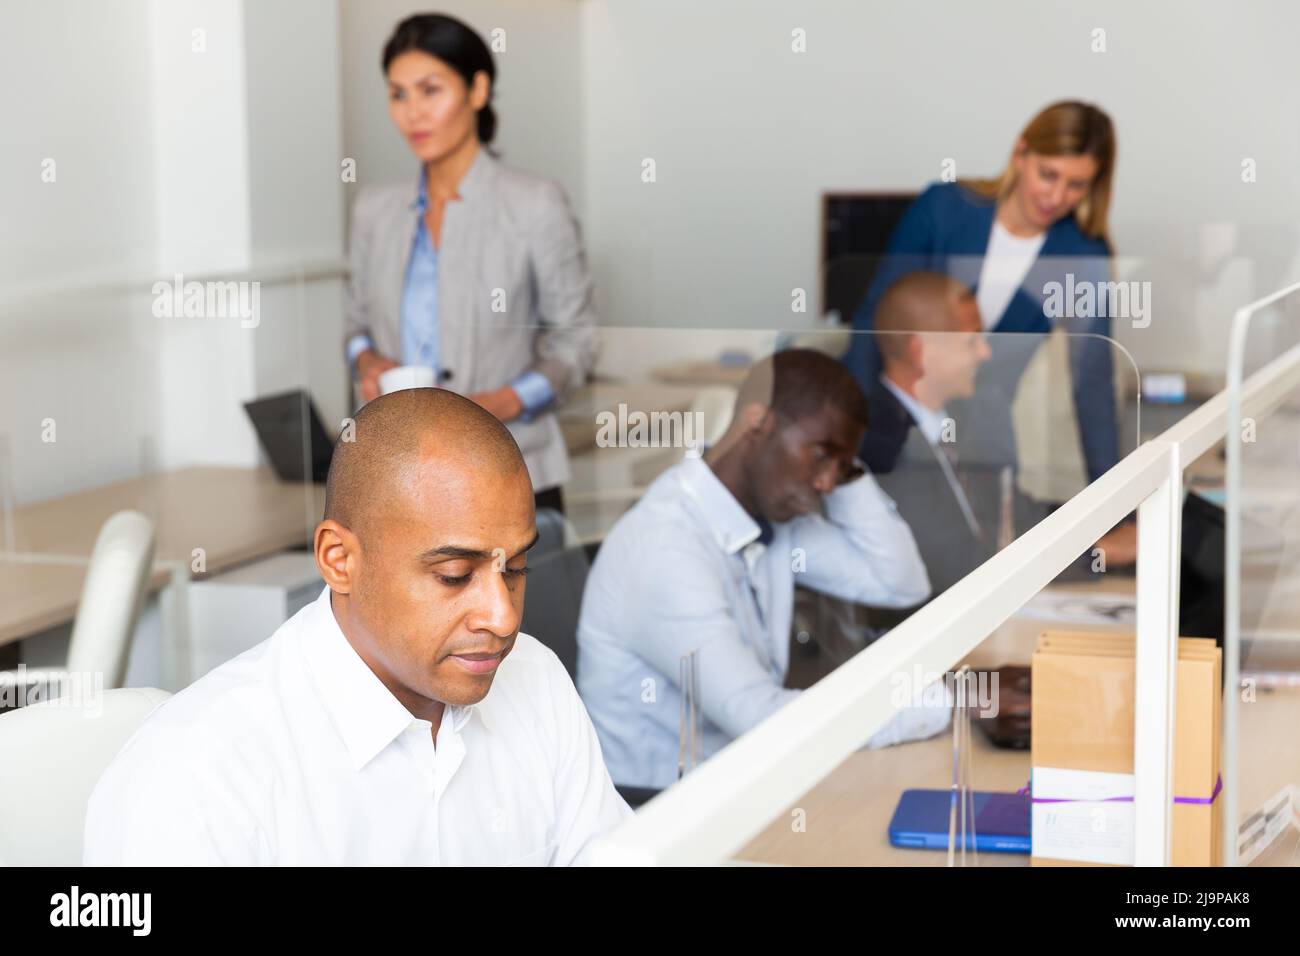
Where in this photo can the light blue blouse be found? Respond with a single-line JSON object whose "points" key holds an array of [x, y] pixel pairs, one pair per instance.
{"points": [[419, 324]]}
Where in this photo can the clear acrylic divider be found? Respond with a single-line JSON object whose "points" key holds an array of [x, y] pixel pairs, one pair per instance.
{"points": [[130, 395], [1263, 697], [679, 570]]}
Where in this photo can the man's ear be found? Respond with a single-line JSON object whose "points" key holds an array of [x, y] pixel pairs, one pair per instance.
{"points": [[915, 351], [336, 550], [756, 418]]}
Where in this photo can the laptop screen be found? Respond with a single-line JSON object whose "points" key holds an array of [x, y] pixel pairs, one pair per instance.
{"points": [[292, 436]]}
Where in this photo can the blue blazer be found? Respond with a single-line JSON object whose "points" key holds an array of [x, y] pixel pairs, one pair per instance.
{"points": [[947, 230]]}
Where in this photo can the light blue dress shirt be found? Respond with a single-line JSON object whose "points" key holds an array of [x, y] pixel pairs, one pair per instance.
{"points": [[687, 569], [419, 323], [419, 327]]}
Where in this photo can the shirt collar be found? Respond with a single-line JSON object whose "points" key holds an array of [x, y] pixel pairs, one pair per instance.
{"points": [[469, 185], [365, 713], [730, 524], [928, 421]]}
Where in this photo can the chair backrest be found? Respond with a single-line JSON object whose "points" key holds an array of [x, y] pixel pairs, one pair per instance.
{"points": [[715, 405], [112, 597], [62, 747], [554, 533], [557, 574]]}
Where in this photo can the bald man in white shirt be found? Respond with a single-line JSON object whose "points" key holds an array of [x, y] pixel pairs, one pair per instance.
{"points": [[399, 719]]}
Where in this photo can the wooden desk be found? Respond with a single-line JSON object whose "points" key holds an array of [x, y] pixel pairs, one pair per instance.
{"points": [[38, 594], [235, 515], [847, 814], [702, 373]]}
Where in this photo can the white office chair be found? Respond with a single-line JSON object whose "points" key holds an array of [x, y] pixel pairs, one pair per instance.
{"points": [[712, 408], [558, 568], [715, 405], [57, 750], [109, 609]]}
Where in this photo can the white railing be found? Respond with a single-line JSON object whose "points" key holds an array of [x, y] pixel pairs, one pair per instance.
{"points": [[720, 806]]}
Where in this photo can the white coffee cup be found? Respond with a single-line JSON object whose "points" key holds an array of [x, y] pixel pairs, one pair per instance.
{"points": [[406, 376]]}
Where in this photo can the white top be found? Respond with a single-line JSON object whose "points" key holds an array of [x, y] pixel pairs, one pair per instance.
{"points": [[685, 570], [1006, 263], [295, 753]]}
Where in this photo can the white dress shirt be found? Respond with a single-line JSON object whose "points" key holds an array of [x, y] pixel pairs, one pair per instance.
{"points": [[685, 570], [295, 753]]}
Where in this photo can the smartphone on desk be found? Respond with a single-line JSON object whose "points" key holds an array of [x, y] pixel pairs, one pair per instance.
{"points": [[1001, 821]]}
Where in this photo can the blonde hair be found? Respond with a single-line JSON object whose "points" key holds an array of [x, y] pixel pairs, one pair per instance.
{"points": [[1067, 128]]}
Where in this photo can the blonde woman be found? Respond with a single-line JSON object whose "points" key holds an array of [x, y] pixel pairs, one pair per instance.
{"points": [[1042, 221]]}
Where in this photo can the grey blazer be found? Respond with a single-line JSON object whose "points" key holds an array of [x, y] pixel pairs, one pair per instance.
{"points": [[514, 293]]}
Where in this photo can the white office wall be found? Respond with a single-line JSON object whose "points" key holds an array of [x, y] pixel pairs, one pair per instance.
{"points": [[206, 153], [278, 170], [77, 83], [294, 129], [200, 134], [297, 194], [746, 134], [539, 94], [78, 92]]}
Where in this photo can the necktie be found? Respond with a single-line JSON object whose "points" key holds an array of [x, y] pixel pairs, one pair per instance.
{"points": [[949, 451]]}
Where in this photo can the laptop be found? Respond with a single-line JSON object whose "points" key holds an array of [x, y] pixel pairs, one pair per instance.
{"points": [[292, 436]]}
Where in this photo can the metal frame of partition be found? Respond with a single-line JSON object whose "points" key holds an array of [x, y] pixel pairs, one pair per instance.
{"points": [[715, 810]]}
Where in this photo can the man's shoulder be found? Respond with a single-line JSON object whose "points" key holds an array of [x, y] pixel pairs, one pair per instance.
{"points": [[232, 709], [889, 425], [666, 512], [884, 408]]}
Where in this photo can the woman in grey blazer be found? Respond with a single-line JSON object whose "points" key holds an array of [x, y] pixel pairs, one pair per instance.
{"points": [[476, 270]]}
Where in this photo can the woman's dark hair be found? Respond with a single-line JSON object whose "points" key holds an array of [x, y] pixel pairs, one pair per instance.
{"points": [[456, 45]]}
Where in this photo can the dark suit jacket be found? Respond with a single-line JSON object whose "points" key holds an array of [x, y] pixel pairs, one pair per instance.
{"points": [[908, 469], [947, 230]]}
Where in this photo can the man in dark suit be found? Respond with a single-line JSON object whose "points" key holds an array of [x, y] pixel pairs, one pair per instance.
{"points": [[932, 344]]}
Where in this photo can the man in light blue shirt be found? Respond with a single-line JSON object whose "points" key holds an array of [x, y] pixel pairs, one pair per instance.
{"points": [[708, 559]]}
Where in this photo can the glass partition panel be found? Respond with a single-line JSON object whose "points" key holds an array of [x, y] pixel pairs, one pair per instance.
{"points": [[731, 552], [1265, 629], [137, 395]]}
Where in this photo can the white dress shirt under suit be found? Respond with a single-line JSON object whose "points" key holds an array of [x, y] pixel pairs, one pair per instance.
{"points": [[295, 753], [685, 570]]}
